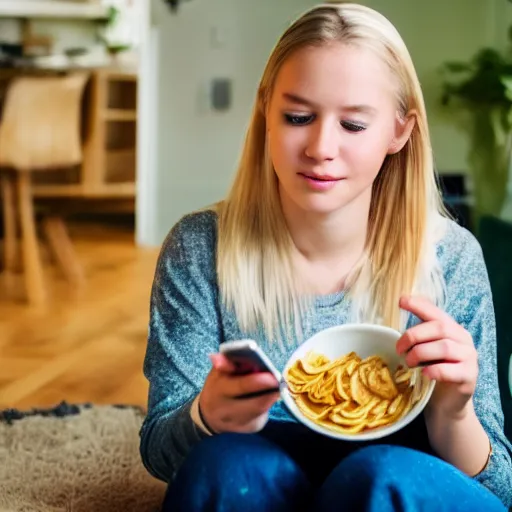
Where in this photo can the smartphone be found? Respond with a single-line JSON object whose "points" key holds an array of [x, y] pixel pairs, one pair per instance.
{"points": [[248, 357]]}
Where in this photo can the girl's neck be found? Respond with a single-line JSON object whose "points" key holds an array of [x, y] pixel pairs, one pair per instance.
{"points": [[327, 246], [328, 236]]}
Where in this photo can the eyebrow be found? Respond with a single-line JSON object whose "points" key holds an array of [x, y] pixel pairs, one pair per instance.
{"points": [[350, 108]]}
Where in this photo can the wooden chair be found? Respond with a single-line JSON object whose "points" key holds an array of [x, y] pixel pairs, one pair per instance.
{"points": [[40, 131]]}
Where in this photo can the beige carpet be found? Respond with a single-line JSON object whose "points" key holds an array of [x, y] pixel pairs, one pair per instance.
{"points": [[86, 461]]}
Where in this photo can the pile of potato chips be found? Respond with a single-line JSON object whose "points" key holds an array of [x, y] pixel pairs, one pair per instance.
{"points": [[350, 395]]}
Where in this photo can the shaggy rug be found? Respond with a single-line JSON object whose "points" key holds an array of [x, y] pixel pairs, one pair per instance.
{"points": [[75, 459]]}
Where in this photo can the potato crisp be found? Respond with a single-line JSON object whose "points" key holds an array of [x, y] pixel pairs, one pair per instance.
{"points": [[351, 395]]}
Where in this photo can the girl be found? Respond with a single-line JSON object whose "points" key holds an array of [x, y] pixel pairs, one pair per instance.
{"points": [[334, 217]]}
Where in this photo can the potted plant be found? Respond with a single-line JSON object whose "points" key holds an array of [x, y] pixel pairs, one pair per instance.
{"points": [[479, 93], [114, 34]]}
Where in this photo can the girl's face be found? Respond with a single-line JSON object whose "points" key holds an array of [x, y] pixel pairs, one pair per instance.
{"points": [[331, 121]]}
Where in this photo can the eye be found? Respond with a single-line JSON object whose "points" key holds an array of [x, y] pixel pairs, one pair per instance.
{"points": [[353, 127], [298, 120]]}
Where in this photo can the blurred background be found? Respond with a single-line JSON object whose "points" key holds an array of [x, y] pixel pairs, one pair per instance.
{"points": [[118, 117]]}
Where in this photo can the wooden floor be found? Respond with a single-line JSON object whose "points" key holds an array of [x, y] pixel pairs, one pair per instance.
{"points": [[85, 345]]}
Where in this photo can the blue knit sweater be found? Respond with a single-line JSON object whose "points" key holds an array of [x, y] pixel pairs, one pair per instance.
{"points": [[188, 322]]}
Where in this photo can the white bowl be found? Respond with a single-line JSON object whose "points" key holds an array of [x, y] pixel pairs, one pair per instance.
{"points": [[366, 340]]}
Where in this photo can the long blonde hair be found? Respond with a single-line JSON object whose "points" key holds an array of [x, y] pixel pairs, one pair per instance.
{"points": [[255, 272]]}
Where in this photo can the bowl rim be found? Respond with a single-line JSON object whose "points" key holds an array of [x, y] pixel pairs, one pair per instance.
{"points": [[370, 435]]}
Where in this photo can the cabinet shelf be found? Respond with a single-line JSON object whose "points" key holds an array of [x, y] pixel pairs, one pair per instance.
{"points": [[124, 190], [51, 10], [111, 148], [117, 114]]}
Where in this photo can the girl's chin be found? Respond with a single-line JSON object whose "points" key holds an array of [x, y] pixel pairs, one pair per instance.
{"points": [[319, 207]]}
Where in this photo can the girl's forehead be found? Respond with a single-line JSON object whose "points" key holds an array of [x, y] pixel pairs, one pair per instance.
{"points": [[335, 74]]}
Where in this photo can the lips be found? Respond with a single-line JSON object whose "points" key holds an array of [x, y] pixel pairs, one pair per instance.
{"points": [[319, 182], [320, 177]]}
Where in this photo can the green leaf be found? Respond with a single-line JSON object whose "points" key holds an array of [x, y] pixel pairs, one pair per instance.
{"points": [[500, 133], [113, 15], [457, 67], [507, 82]]}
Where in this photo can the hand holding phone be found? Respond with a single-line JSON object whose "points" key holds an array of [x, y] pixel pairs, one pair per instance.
{"points": [[240, 389], [248, 357]]}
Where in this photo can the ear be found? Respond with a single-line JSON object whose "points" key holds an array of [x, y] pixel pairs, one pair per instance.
{"points": [[403, 130]]}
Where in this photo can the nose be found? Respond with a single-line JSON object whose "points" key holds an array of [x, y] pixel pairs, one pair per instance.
{"points": [[323, 141]]}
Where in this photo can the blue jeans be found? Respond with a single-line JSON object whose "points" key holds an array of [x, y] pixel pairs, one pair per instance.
{"points": [[258, 472]]}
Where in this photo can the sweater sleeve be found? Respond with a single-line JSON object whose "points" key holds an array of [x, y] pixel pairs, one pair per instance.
{"points": [[184, 328], [470, 304]]}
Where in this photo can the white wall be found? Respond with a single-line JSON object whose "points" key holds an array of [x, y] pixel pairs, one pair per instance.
{"points": [[196, 150], [503, 21]]}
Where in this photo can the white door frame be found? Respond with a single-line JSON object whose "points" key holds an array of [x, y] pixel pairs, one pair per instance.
{"points": [[147, 106]]}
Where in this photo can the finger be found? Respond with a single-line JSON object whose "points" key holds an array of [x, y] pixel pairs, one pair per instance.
{"points": [[237, 385], [423, 308], [237, 413], [255, 394], [221, 363], [428, 331], [247, 410], [445, 350], [454, 373]]}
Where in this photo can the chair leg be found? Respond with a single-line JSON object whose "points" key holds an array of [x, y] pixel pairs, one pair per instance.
{"points": [[34, 279], [62, 248], [9, 210]]}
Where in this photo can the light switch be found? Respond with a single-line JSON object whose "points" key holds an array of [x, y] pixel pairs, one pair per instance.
{"points": [[221, 93]]}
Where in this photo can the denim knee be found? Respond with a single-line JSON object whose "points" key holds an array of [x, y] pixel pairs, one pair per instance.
{"points": [[230, 472], [394, 478], [390, 461]]}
